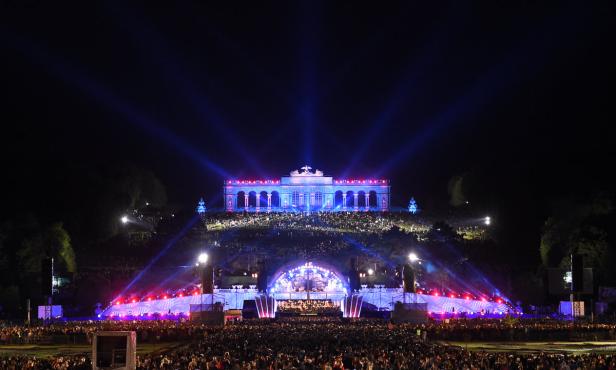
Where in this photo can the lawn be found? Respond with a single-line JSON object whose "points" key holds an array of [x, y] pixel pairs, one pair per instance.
{"points": [[530, 347], [44, 351]]}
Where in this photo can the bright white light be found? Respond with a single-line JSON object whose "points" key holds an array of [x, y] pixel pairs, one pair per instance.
{"points": [[202, 258], [124, 219], [413, 257], [370, 271], [487, 220]]}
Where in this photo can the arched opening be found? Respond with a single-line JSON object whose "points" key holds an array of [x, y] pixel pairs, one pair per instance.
{"points": [[361, 199], [372, 199], [241, 200], [318, 199], [263, 199], [275, 199], [252, 199], [338, 199], [349, 199], [308, 277], [295, 199]]}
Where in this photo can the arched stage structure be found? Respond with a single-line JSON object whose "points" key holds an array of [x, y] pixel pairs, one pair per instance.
{"points": [[306, 191], [307, 282]]}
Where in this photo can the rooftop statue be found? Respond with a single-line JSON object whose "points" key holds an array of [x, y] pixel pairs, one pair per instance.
{"points": [[306, 172]]}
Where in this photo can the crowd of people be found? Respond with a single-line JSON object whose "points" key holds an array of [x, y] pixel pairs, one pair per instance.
{"points": [[182, 329], [330, 343], [349, 222]]}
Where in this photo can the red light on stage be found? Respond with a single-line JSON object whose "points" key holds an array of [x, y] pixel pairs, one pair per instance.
{"points": [[164, 297], [467, 297], [149, 298], [483, 299], [181, 295], [195, 293], [499, 301], [435, 294], [452, 296], [134, 300], [118, 302]]}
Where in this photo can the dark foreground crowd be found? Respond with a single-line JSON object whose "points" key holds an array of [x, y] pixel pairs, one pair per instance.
{"points": [[316, 344]]}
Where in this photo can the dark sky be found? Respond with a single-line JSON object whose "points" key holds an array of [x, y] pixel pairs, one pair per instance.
{"points": [[518, 96]]}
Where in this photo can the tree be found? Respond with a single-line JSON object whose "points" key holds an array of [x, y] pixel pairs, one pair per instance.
{"points": [[577, 227], [442, 232], [58, 242], [456, 191], [105, 194]]}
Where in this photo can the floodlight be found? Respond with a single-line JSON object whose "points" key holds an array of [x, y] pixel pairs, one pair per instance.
{"points": [[124, 219], [202, 258], [413, 257]]}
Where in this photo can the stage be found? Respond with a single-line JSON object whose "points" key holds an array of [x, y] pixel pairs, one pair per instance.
{"points": [[383, 299]]}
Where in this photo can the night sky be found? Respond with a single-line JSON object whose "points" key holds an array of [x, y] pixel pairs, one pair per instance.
{"points": [[517, 98]]}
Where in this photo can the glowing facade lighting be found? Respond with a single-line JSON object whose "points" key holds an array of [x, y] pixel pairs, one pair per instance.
{"points": [[413, 257], [318, 193], [370, 272]]}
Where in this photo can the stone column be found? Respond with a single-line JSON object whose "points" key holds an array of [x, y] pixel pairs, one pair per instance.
{"points": [[367, 195], [344, 195], [257, 200], [269, 200], [245, 200], [355, 198]]}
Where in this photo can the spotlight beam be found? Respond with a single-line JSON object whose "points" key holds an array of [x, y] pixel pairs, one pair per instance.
{"points": [[168, 246], [405, 91], [309, 28], [488, 86], [103, 95], [161, 54]]}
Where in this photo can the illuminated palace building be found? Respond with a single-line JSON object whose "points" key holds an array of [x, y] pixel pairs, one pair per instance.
{"points": [[307, 191]]}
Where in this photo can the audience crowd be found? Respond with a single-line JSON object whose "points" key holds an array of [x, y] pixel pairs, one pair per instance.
{"points": [[326, 343]]}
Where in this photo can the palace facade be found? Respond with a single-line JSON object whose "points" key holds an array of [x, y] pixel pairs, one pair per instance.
{"points": [[307, 191]]}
